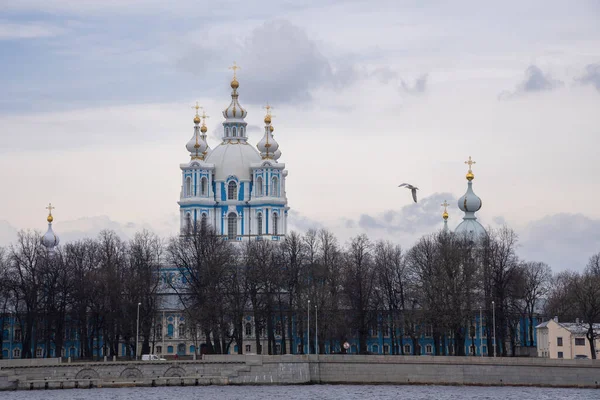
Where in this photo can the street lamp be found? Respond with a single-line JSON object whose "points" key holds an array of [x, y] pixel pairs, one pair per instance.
{"points": [[137, 331], [480, 332], [308, 331], [494, 322], [316, 330]]}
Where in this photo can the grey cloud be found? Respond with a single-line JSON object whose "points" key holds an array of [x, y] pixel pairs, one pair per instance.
{"points": [[418, 87], [499, 220], [413, 218], [8, 233], [535, 81], [591, 76], [302, 223], [384, 74], [564, 241]]}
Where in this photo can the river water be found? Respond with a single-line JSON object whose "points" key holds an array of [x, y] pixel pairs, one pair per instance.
{"points": [[295, 392]]}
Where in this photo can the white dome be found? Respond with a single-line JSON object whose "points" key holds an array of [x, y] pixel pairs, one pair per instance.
{"points": [[50, 240], [233, 159], [471, 227]]}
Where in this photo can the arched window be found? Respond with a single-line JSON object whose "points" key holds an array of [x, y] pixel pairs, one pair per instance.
{"points": [[17, 353], [275, 224], [278, 328], [231, 191], [232, 225], [188, 222], [234, 130], [158, 331], [204, 186], [227, 131], [182, 330], [407, 349], [188, 186], [375, 349], [170, 330], [241, 131], [259, 223], [275, 187], [203, 221], [248, 329], [259, 186]]}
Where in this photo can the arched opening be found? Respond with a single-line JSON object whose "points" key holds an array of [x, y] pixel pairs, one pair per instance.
{"points": [[204, 186], [226, 131], [248, 329], [275, 224], [158, 332], [170, 330], [181, 349], [231, 190], [275, 187], [234, 130], [203, 221], [188, 222], [241, 131], [182, 330], [259, 223], [259, 186], [232, 225], [188, 186]]}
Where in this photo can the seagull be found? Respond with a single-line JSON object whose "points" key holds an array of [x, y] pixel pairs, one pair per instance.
{"points": [[412, 188]]}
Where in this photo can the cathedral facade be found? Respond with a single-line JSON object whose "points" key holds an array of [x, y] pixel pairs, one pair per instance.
{"points": [[235, 187]]}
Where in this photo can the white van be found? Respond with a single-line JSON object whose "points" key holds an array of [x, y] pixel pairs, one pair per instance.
{"points": [[152, 357]]}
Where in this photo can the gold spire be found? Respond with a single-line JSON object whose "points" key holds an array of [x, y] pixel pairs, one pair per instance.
{"points": [[470, 175], [234, 83], [197, 117], [268, 116], [203, 129], [50, 208], [445, 205]]}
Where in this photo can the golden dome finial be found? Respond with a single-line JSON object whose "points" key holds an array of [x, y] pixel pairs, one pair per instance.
{"points": [[197, 117], [234, 83], [445, 205], [203, 128], [470, 175], [50, 208], [268, 116]]}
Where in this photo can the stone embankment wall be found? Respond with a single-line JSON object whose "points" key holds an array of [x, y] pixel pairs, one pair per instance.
{"points": [[290, 369]]}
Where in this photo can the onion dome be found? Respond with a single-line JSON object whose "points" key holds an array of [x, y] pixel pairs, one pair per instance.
{"points": [[50, 240], [470, 203], [268, 146], [235, 110], [197, 145]]}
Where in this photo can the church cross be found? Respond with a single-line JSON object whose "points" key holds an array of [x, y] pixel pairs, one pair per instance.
{"points": [[50, 208], [470, 162], [197, 107], [204, 116], [234, 67], [445, 205]]}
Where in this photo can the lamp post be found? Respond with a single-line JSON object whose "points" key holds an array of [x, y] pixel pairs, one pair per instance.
{"points": [[494, 323], [137, 331], [308, 331], [480, 332], [316, 330]]}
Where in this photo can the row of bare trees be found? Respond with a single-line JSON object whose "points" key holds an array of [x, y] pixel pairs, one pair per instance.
{"points": [[437, 288]]}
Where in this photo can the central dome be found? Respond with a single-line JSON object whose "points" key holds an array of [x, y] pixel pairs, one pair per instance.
{"points": [[233, 158]]}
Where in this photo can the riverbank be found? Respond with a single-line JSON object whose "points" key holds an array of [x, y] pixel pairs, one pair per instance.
{"points": [[306, 369]]}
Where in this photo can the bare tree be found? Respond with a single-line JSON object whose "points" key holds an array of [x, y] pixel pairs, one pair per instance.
{"points": [[536, 282]]}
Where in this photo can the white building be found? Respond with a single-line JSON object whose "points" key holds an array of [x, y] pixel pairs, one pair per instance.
{"points": [[564, 340]]}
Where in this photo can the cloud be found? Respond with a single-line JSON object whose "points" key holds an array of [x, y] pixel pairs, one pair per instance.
{"points": [[301, 223], [30, 30], [418, 87], [564, 241], [591, 76], [414, 218], [535, 81]]}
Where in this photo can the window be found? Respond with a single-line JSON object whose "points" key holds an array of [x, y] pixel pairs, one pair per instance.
{"points": [[234, 130], [407, 349], [259, 223], [579, 342], [248, 329], [204, 186], [275, 223], [170, 330], [231, 191], [248, 348], [232, 225], [170, 349], [39, 352], [158, 332], [386, 349], [203, 221], [188, 186], [559, 341], [182, 330], [484, 349], [428, 331], [299, 349], [188, 222], [241, 131], [259, 186], [375, 349], [278, 348], [159, 349], [17, 353], [274, 187], [278, 328], [428, 349], [560, 354]]}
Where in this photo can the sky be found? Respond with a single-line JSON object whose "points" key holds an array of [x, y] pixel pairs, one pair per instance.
{"points": [[97, 95]]}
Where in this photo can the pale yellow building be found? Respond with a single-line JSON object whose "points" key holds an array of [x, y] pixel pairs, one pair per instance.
{"points": [[565, 340]]}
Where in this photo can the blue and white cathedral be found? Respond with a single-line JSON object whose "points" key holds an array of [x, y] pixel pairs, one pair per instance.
{"points": [[236, 188]]}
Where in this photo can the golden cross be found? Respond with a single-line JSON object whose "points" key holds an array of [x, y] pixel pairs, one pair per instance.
{"points": [[197, 107], [470, 162], [445, 205], [234, 67], [268, 108], [50, 208], [204, 116]]}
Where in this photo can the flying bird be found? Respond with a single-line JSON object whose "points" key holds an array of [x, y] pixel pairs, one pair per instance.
{"points": [[412, 188]]}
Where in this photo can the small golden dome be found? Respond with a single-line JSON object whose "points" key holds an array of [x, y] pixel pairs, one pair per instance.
{"points": [[50, 218], [271, 128], [267, 119], [235, 84], [203, 129], [470, 176], [197, 119], [445, 215]]}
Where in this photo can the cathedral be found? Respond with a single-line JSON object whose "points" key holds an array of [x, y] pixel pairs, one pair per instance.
{"points": [[236, 188]]}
